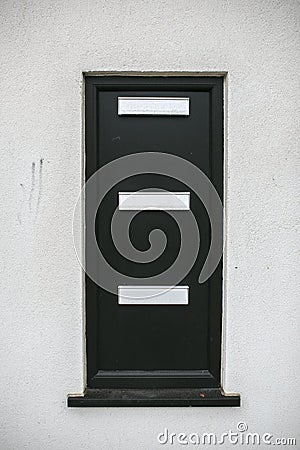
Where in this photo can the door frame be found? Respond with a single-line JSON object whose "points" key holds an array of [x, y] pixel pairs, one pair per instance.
{"points": [[214, 84]]}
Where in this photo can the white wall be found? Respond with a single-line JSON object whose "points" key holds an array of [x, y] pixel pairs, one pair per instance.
{"points": [[45, 48]]}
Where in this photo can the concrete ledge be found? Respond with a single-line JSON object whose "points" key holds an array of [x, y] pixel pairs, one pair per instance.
{"points": [[153, 397]]}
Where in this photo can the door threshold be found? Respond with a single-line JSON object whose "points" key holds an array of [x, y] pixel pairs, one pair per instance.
{"points": [[154, 397]]}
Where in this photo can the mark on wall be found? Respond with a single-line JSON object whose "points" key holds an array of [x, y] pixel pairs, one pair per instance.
{"points": [[40, 185], [33, 195], [32, 184]]}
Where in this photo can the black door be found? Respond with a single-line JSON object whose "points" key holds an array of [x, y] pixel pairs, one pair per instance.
{"points": [[164, 344]]}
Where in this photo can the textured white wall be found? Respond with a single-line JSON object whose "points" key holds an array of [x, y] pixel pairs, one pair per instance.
{"points": [[45, 48]]}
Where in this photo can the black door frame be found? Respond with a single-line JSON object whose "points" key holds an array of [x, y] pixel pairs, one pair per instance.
{"points": [[209, 378]]}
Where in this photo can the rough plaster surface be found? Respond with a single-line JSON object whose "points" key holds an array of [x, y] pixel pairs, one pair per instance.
{"points": [[45, 47]]}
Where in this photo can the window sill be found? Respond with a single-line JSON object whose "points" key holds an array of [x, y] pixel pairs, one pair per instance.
{"points": [[153, 397]]}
